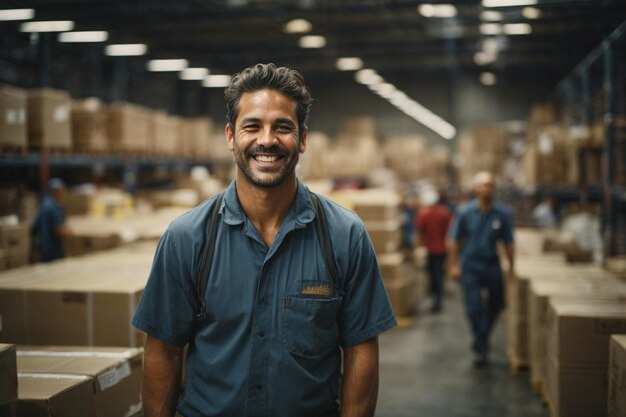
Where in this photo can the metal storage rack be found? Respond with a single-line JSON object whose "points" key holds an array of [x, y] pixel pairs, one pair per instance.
{"points": [[593, 95]]}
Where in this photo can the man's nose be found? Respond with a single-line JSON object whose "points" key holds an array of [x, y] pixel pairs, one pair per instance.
{"points": [[266, 137]]}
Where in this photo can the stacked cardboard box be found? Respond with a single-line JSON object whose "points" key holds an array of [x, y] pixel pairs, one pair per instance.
{"points": [[195, 137], [541, 292], [13, 118], [49, 124], [617, 376], [14, 245], [8, 380], [380, 211], [165, 134], [89, 126], [128, 128], [87, 301], [578, 355], [44, 395], [114, 375]]}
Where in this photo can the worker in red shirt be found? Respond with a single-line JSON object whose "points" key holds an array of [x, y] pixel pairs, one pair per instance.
{"points": [[432, 224]]}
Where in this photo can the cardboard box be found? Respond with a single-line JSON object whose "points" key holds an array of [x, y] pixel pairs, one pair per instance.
{"points": [[404, 294], [13, 117], [115, 374], [89, 126], [541, 292], [49, 119], [50, 395], [8, 375], [617, 376], [128, 128], [386, 235], [578, 354]]}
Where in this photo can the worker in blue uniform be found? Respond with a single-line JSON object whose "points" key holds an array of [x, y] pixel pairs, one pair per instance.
{"points": [[278, 331], [477, 228], [49, 228]]}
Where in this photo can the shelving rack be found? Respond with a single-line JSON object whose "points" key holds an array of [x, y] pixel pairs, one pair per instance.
{"points": [[593, 95]]}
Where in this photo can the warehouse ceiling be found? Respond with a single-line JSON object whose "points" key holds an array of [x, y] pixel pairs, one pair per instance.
{"points": [[391, 36]]}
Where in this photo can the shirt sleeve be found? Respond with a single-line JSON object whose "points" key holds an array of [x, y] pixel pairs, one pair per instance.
{"points": [[366, 310], [166, 308], [457, 228]]}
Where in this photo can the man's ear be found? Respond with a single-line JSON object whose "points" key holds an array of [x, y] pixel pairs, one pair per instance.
{"points": [[303, 140], [230, 137]]}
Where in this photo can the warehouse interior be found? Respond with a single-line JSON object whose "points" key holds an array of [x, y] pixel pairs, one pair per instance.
{"points": [[124, 102]]}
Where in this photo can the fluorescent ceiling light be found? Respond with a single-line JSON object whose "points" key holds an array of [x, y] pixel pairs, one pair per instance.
{"points": [[508, 3], [384, 90], [531, 13], [368, 76], [166, 65], [312, 41], [488, 78], [126, 49], [195, 74], [491, 45], [437, 10], [485, 57], [490, 29], [17, 14], [491, 16], [217, 81], [90, 36], [298, 26], [47, 26], [349, 64], [517, 29]]}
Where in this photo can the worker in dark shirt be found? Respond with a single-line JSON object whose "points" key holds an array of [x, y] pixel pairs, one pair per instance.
{"points": [[49, 227]]}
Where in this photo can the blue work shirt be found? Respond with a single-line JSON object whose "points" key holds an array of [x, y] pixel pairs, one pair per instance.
{"points": [[45, 225], [271, 344], [478, 233]]}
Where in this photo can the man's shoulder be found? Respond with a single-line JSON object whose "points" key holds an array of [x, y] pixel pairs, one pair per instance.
{"points": [[192, 221], [503, 208]]}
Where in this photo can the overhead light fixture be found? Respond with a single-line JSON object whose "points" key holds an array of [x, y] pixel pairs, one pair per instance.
{"points": [[87, 36], [384, 90], [215, 81], [47, 26], [531, 13], [490, 28], [368, 76], [17, 14], [508, 3], [491, 16], [349, 64], [517, 29], [312, 41], [298, 26], [491, 45], [488, 78], [437, 10], [166, 65], [126, 49], [194, 74], [485, 57]]}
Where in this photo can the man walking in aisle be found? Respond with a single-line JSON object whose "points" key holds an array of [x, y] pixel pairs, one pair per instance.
{"points": [[49, 228], [477, 228], [432, 224], [280, 312]]}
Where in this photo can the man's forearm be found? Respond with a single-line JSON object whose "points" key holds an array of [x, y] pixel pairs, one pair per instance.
{"points": [[359, 391], [161, 378], [510, 255]]}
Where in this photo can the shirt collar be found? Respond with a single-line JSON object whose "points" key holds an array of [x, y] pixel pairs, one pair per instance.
{"points": [[301, 213]]}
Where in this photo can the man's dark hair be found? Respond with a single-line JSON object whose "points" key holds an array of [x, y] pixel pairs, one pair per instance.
{"points": [[268, 76]]}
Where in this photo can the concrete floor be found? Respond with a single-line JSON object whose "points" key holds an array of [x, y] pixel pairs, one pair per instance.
{"points": [[426, 370]]}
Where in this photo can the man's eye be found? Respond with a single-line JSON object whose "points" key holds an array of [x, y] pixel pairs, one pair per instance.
{"points": [[284, 128], [251, 127]]}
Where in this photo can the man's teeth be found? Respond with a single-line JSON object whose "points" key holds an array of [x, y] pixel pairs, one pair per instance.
{"points": [[266, 158]]}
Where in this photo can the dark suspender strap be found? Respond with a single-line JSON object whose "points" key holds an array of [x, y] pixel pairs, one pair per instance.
{"points": [[324, 239], [207, 257]]}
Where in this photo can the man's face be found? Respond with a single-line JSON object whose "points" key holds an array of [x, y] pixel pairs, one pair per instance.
{"points": [[485, 187], [265, 142]]}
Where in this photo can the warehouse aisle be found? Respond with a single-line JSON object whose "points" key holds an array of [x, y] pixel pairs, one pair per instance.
{"points": [[426, 371]]}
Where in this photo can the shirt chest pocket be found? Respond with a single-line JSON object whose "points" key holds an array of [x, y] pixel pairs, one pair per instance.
{"points": [[309, 325]]}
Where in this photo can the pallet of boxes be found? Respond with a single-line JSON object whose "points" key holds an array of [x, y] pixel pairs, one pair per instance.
{"points": [[14, 245], [380, 211], [77, 354]]}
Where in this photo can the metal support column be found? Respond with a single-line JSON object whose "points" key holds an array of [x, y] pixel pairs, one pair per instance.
{"points": [[608, 222]]}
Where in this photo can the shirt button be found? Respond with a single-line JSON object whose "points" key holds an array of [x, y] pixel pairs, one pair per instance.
{"points": [[262, 301], [261, 333], [259, 386]]}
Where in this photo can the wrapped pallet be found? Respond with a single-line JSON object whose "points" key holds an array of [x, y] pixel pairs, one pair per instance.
{"points": [[128, 128], [89, 126], [49, 119]]}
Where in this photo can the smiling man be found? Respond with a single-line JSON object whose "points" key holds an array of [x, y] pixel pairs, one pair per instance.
{"points": [[280, 311]]}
